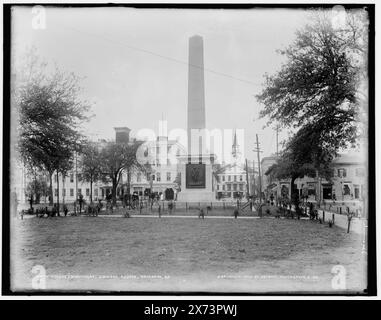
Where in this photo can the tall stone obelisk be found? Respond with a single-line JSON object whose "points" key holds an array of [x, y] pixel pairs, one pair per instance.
{"points": [[196, 166], [196, 87]]}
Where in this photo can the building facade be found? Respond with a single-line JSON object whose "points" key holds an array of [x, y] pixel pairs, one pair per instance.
{"points": [[162, 178], [348, 183], [233, 181]]}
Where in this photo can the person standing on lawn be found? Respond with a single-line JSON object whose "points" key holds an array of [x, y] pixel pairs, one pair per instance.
{"points": [[202, 214], [65, 210], [236, 212]]}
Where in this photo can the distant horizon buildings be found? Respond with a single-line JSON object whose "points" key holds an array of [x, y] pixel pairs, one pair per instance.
{"points": [[347, 184]]}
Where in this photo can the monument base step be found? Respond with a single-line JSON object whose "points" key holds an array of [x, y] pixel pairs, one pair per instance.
{"points": [[196, 196]]}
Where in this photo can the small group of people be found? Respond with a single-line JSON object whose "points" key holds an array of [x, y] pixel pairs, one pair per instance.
{"points": [[45, 211]]}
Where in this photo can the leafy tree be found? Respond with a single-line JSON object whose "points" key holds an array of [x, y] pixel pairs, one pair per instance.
{"points": [[117, 158], [50, 113], [316, 91], [316, 94], [63, 167], [300, 159], [91, 165], [37, 187]]}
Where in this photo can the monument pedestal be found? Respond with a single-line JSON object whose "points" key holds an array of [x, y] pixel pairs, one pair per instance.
{"points": [[196, 179]]}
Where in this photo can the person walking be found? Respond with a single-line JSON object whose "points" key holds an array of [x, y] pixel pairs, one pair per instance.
{"points": [[170, 206], [236, 212], [80, 203], [65, 210]]}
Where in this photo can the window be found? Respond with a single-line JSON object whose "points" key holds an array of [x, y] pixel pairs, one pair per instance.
{"points": [[342, 173], [223, 178], [357, 191], [229, 187], [218, 187], [71, 177], [153, 177], [87, 192], [240, 178], [148, 176], [64, 192], [71, 192], [235, 187], [346, 190], [241, 187], [139, 177], [96, 192], [360, 172], [79, 191], [235, 178], [55, 192], [223, 187], [229, 178], [158, 176], [79, 177], [168, 176]]}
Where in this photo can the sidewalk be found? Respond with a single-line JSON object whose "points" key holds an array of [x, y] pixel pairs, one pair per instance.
{"points": [[172, 216]]}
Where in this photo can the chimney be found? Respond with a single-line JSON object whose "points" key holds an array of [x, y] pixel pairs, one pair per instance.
{"points": [[122, 134]]}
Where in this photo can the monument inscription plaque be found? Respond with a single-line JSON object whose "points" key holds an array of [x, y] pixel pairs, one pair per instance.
{"points": [[195, 175]]}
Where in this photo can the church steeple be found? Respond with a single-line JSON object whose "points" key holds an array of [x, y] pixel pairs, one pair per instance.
{"points": [[235, 146]]}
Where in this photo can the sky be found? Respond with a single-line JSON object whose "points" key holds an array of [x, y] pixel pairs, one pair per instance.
{"points": [[134, 63]]}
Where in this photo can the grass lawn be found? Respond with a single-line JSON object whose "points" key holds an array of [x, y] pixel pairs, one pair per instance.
{"points": [[178, 254]]}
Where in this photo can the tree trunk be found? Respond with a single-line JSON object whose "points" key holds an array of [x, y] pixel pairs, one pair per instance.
{"points": [[58, 195], [91, 190], [294, 190], [63, 188], [114, 184], [128, 182], [35, 186], [51, 188]]}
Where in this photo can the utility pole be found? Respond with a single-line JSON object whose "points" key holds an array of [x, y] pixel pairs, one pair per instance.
{"points": [[76, 177], [259, 169], [253, 179], [58, 194], [247, 181]]}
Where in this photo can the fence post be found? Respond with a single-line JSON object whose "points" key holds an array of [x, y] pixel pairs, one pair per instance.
{"points": [[323, 215], [340, 210], [186, 206], [333, 218]]}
